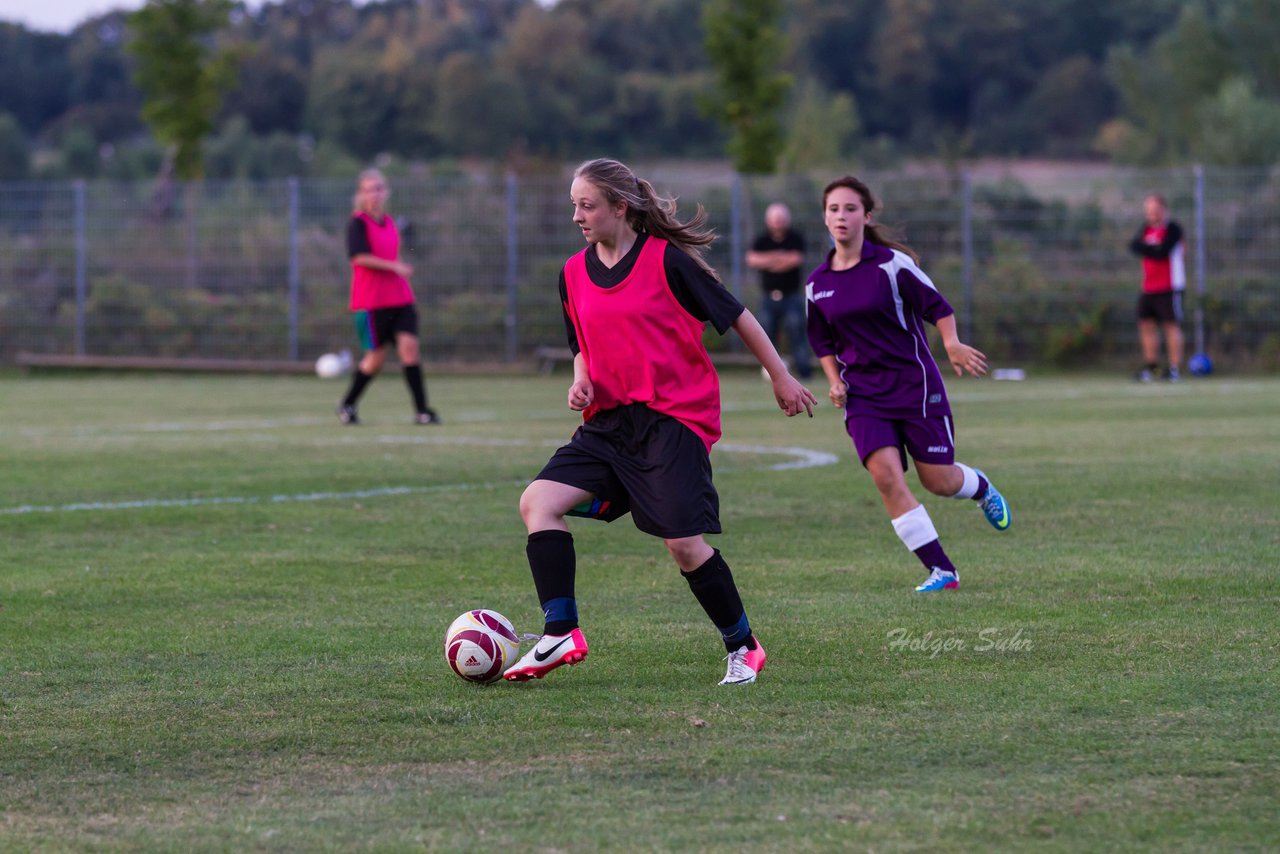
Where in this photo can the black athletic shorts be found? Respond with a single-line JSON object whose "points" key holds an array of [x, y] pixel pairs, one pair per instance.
{"points": [[635, 460], [1162, 308], [379, 326]]}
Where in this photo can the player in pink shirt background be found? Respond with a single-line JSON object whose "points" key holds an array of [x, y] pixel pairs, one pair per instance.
{"points": [[381, 299]]}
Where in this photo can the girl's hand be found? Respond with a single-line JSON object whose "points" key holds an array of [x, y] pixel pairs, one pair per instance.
{"points": [[839, 395], [965, 358], [792, 396], [581, 393]]}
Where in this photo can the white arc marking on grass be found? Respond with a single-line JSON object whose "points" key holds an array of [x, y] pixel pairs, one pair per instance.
{"points": [[802, 458]]}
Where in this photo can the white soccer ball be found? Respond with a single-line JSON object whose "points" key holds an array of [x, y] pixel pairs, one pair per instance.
{"points": [[480, 644], [329, 366]]}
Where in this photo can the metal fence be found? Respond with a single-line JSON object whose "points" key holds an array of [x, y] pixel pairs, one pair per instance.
{"points": [[1034, 258]]}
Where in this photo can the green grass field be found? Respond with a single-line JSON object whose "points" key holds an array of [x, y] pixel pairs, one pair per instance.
{"points": [[221, 618]]}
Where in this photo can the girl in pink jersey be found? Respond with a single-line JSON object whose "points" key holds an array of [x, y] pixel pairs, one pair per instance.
{"points": [[381, 299], [636, 301], [867, 307]]}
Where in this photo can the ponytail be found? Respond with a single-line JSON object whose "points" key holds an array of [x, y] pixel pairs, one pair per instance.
{"points": [[649, 212]]}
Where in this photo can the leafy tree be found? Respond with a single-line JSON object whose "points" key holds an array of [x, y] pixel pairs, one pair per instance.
{"points": [[744, 41], [1161, 87], [823, 128], [1238, 127], [478, 108], [181, 75], [15, 159], [353, 102], [33, 76], [80, 153], [1066, 107], [1251, 29], [271, 93]]}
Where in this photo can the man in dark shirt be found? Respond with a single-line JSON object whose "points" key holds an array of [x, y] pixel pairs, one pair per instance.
{"points": [[778, 254]]}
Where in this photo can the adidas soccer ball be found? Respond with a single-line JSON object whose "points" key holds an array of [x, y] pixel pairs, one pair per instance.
{"points": [[480, 644]]}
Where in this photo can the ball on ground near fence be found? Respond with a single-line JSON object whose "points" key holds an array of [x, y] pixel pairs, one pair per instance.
{"points": [[1200, 365], [330, 366]]}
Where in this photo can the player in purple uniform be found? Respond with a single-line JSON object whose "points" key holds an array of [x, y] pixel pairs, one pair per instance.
{"points": [[867, 306]]}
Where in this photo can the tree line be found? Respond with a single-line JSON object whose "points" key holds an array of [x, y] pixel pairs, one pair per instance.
{"points": [[319, 87]]}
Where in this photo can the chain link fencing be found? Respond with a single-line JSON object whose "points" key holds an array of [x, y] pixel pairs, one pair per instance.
{"points": [[1034, 258]]}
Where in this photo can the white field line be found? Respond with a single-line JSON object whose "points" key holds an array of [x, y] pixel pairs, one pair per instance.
{"points": [[150, 503], [798, 458]]}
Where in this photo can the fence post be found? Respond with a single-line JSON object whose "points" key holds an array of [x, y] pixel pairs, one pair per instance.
{"points": [[513, 257], [82, 273], [736, 215], [735, 235], [966, 254], [295, 274], [1200, 260]]}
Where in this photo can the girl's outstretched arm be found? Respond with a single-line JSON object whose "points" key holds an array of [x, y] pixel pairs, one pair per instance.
{"points": [[790, 394]]}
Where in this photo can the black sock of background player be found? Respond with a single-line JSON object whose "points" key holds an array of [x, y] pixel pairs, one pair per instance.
{"points": [[418, 388], [358, 382], [554, 565]]}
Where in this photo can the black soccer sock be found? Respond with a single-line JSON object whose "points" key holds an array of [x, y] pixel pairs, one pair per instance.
{"points": [[358, 382], [713, 587], [417, 387], [554, 565]]}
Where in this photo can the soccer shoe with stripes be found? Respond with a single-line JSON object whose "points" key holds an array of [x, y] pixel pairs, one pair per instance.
{"points": [[939, 579], [744, 665], [347, 414], [994, 507], [547, 654], [428, 417]]}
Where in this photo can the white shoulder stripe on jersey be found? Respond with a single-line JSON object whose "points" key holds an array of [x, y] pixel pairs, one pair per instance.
{"points": [[902, 261]]}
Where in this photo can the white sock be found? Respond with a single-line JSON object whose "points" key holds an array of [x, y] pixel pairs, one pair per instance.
{"points": [[969, 488], [915, 528]]}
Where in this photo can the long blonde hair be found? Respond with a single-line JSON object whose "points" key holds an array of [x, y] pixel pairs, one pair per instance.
{"points": [[368, 175], [879, 234], [647, 211]]}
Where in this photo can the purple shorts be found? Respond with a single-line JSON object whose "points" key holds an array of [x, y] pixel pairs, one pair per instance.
{"points": [[927, 440]]}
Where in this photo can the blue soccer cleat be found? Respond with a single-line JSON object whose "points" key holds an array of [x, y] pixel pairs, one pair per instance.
{"points": [[939, 579], [994, 507]]}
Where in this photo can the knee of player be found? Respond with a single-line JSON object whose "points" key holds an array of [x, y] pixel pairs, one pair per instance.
{"points": [[532, 504], [687, 551], [940, 484]]}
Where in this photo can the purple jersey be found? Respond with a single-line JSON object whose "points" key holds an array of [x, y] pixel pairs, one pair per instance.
{"points": [[871, 318]]}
